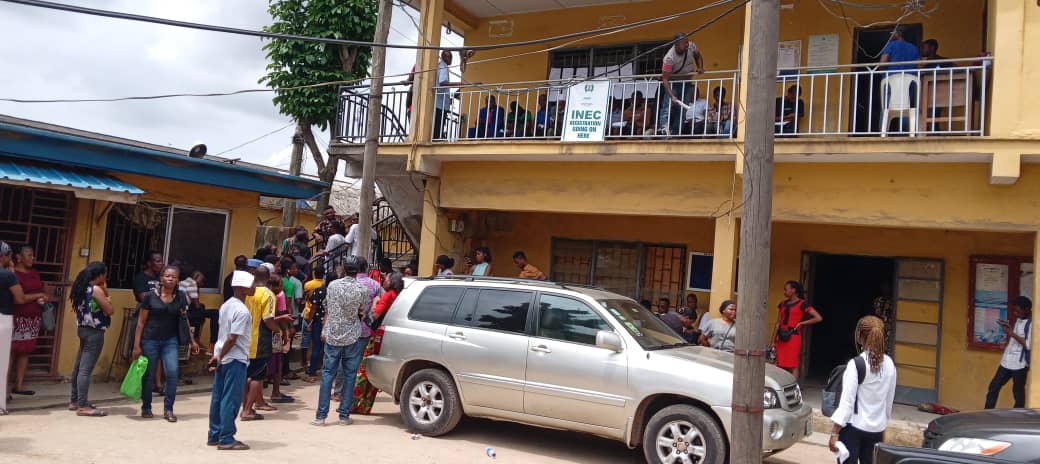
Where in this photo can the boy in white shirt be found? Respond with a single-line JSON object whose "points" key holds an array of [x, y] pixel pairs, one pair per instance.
{"points": [[1015, 363]]}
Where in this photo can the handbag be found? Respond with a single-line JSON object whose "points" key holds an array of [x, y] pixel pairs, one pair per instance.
{"points": [[785, 334], [47, 317]]}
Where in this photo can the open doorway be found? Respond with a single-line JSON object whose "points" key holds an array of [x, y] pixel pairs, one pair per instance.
{"points": [[843, 289], [866, 49]]}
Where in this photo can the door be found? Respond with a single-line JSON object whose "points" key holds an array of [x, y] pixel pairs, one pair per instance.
{"points": [[917, 329], [568, 377], [487, 347], [42, 219], [866, 95], [808, 281]]}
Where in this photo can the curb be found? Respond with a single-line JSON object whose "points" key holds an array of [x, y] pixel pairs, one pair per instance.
{"points": [[111, 400], [901, 433]]}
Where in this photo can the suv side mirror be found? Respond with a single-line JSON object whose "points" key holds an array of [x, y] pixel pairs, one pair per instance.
{"points": [[609, 340]]}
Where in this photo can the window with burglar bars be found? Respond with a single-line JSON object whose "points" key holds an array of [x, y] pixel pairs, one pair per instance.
{"points": [[638, 270], [646, 59]]}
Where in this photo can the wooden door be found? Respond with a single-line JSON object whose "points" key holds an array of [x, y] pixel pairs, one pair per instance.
{"points": [[917, 329]]}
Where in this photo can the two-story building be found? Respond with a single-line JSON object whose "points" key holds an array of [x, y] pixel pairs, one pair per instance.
{"points": [[915, 182]]}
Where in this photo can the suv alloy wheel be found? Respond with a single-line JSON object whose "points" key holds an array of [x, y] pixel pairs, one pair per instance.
{"points": [[430, 403], [683, 434]]}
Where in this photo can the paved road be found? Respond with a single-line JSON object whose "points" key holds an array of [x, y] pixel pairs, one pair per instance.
{"points": [[56, 436]]}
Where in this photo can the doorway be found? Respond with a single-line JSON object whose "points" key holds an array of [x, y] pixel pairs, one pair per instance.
{"points": [[843, 289], [867, 45]]}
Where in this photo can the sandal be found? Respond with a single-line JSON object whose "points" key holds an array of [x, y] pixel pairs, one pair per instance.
{"points": [[23, 392], [283, 399], [264, 407], [254, 417], [92, 413], [74, 407], [236, 446]]}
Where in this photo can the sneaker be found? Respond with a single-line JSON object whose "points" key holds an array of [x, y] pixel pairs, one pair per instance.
{"points": [[318, 422], [347, 421]]}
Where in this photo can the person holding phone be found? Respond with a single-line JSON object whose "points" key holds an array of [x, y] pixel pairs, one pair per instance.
{"points": [[480, 264], [1015, 363]]}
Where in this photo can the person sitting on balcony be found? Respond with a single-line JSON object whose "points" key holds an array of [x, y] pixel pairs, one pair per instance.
{"points": [[789, 109], [696, 114], [930, 52], [490, 120], [543, 118], [678, 64], [719, 115], [635, 116], [519, 121], [899, 50]]}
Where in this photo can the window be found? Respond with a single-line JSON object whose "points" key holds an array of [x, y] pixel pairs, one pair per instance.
{"points": [[700, 265], [637, 270], [190, 237], [500, 310], [436, 304], [568, 320]]}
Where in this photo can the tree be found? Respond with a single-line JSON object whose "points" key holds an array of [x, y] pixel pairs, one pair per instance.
{"points": [[295, 63]]}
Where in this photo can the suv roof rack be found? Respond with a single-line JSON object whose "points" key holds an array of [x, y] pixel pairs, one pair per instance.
{"points": [[509, 280]]}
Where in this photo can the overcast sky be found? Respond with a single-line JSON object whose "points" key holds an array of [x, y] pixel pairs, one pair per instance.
{"points": [[51, 54]]}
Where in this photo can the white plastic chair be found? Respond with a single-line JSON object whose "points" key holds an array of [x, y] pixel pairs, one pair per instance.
{"points": [[897, 88]]}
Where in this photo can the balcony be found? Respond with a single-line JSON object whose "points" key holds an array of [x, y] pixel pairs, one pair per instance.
{"points": [[916, 99]]}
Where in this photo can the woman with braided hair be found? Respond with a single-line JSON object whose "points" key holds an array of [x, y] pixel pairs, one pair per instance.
{"points": [[865, 407]]}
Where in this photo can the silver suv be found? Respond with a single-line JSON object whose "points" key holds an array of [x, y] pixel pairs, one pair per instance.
{"points": [[566, 357]]}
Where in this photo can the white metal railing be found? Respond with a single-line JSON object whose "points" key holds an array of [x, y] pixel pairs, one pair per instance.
{"points": [[938, 97], [639, 108]]}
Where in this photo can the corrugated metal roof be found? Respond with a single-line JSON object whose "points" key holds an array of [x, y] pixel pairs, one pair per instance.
{"points": [[20, 172]]}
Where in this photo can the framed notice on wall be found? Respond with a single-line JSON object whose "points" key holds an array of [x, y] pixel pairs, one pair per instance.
{"points": [[994, 281]]}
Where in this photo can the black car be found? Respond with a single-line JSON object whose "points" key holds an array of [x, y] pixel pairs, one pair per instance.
{"points": [[994, 436]]}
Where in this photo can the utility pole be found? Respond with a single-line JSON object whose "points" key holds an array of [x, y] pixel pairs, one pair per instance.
{"points": [[295, 164], [375, 106], [755, 231]]}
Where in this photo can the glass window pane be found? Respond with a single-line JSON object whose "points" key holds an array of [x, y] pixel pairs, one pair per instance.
{"points": [[502, 310], [436, 304], [568, 320], [197, 243], [131, 232]]}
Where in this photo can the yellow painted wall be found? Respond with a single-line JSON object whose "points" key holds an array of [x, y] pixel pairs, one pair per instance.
{"points": [[90, 234], [1014, 39], [963, 373], [533, 233]]}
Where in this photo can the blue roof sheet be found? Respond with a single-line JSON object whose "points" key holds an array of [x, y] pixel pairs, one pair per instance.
{"points": [[63, 178]]}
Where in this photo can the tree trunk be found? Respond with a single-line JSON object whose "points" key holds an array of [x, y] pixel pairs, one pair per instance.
{"points": [[295, 165], [326, 171]]}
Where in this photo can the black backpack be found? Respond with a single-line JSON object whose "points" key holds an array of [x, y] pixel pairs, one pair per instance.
{"points": [[832, 392]]}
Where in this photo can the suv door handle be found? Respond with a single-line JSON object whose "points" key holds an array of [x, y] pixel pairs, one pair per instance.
{"points": [[457, 336], [541, 349]]}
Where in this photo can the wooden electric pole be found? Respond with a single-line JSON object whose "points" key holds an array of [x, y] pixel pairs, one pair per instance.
{"points": [[755, 231], [295, 165], [375, 107]]}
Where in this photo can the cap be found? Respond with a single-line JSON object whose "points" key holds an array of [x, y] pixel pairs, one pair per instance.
{"points": [[269, 266], [254, 263], [241, 279], [678, 36]]}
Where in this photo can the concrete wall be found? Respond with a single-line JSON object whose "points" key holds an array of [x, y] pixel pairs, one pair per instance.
{"points": [[89, 233]]}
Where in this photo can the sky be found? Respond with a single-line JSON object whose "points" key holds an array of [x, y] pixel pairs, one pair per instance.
{"points": [[52, 54]]}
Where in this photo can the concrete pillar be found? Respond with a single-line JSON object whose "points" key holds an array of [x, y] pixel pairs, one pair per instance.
{"points": [[435, 239], [1006, 41], [431, 17], [724, 261], [1032, 383]]}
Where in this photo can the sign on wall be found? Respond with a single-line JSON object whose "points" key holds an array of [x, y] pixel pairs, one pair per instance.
{"points": [[995, 281], [587, 116]]}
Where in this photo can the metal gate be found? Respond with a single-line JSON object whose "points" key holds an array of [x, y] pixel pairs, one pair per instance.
{"points": [[41, 218]]}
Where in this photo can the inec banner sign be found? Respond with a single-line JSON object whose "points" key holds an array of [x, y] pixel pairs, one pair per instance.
{"points": [[587, 117]]}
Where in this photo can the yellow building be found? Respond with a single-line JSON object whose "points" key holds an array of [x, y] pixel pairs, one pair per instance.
{"points": [[78, 197], [931, 204]]}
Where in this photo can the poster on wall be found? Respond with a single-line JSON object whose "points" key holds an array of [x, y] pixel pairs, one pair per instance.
{"points": [[586, 116], [823, 52], [789, 55], [995, 280]]}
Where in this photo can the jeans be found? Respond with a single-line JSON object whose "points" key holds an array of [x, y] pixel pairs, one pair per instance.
{"points": [[345, 358], [316, 347], [166, 351], [225, 401], [1018, 387], [860, 444], [670, 115], [439, 118], [90, 342]]}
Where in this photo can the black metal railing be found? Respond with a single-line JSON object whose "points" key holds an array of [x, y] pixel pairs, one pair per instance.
{"points": [[352, 120]]}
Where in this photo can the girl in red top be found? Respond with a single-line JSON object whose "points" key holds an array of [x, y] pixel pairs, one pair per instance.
{"points": [[794, 313]]}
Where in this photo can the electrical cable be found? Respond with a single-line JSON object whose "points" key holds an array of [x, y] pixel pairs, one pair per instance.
{"points": [[355, 43], [236, 147]]}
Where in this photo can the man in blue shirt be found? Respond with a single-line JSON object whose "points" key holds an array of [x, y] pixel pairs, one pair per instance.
{"points": [[899, 50]]}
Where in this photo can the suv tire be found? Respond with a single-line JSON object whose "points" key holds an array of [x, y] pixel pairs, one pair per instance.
{"points": [[680, 431], [430, 403]]}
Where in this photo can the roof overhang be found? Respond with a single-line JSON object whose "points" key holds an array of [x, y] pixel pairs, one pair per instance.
{"points": [[65, 149], [82, 184]]}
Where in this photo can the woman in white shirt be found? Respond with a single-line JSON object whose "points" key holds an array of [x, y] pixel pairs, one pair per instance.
{"points": [[864, 409]]}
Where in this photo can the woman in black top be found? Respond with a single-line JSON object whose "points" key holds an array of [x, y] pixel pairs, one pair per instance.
{"points": [[158, 326]]}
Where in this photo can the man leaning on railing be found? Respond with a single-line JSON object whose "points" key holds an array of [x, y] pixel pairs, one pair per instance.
{"points": [[678, 63]]}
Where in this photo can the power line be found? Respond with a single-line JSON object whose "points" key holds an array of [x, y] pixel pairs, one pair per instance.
{"points": [[356, 81], [355, 43], [236, 147]]}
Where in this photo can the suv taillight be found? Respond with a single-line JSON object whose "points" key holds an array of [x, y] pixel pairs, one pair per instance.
{"points": [[377, 340]]}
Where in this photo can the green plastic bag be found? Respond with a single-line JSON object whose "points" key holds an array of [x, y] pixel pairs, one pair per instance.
{"points": [[131, 387]]}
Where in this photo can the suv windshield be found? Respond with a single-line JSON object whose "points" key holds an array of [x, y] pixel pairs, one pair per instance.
{"points": [[643, 325]]}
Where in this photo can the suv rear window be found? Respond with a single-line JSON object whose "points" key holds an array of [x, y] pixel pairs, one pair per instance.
{"points": [[436, 304], [503, 310]]}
